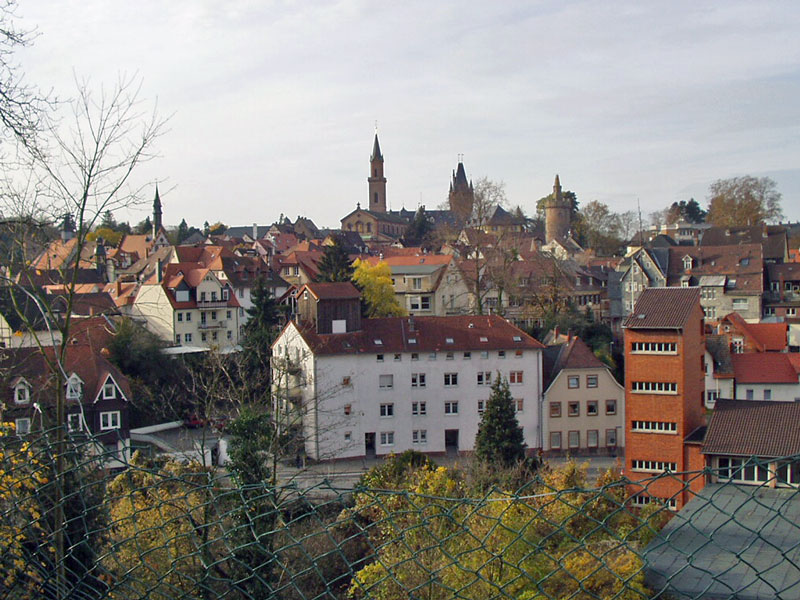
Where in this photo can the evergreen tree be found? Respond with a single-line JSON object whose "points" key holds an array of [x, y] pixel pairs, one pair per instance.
{"points": [[144, 227], [500, 439], [108, 221], [264, 316], [335, 264]]}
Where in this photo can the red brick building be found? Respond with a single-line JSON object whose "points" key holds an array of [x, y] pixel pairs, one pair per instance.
{"points": [[664, 385]]}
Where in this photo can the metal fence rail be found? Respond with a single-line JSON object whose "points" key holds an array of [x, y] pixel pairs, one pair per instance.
{"points": [[160, 529]]}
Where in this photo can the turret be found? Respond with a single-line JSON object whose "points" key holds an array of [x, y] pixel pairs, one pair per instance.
{"points": [[557, 214], [376, 180]]}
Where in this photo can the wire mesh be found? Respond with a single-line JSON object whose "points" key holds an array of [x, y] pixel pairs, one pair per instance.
{"points": [[157, 528]]}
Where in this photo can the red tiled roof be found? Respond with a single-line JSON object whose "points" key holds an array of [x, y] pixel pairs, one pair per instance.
{"points": [[754, 428], [578, 355], [768, 337], [743, 263], [663, 308], [763, 367], [430, 334]]}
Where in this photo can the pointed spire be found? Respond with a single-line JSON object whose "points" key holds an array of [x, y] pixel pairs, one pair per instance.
{"points": [[557, 189], [376, 150], [156, 213]]}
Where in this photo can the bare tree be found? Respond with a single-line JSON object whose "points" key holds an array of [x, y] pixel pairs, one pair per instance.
{"points": [[81, 166]]}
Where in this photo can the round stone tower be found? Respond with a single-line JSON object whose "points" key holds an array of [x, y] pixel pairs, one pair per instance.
{"points": [[557, 215]]}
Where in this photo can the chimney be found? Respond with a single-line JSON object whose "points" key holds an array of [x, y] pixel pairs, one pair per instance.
{"points": [[159, 271], [255, 231], [118, 287]]}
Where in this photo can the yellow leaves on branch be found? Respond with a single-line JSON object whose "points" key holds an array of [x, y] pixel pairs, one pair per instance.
{"points": [[375, 282]]}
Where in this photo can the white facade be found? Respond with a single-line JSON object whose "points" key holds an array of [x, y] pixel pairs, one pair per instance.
{"points": [[372, 402], [777, 392]]}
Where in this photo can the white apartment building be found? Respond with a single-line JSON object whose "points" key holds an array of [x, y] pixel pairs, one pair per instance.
{"points": [[393, 384]]}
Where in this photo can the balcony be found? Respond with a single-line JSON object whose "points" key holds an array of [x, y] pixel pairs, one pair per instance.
{"points": [[212, 325], [215, 303]]}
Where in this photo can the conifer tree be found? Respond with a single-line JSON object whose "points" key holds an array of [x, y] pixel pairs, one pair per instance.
{"points": [[335, 264], [500, 439]]}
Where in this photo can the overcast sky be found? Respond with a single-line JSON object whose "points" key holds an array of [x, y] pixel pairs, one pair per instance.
{"points": [[273, 104]]}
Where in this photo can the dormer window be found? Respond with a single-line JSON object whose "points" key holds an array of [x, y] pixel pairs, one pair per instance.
{"points": [[109, 391], [687, 263], [74, 388], [224, 293], [448, 340], [22, 393]]}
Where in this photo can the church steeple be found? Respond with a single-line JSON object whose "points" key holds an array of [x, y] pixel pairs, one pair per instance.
{"points": [[156, 214], [376, 180]]}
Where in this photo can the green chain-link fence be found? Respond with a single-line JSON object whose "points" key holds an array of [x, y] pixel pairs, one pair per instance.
{"points": [[160, 529]]}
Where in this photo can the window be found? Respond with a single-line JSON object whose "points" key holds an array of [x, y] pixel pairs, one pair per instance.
{"points": [[419, 436], [654, 427], [484, 378], [555, 440], [591, 438], [419, 409], [177, 338], [791, 312], [484, 354], [432, 356], [501, 354], [573, 382], [574, 439], [750, 394], [449, 340], [109, 391], [519, 404], [415, 356], [740, 304], [643, 500], [654, 387], [180, 317], [187, 338], [379, 357], [653, 466], [22, 394], [611, 437], [73, 388], [711, 397], [348, 435], [229, 334], [398, 357], [591, 381], [387, 438], [767, 394], [202, 318], [348, 409], [574, 409], [518, 354], [555, 409], [419, 302], [203, 336], [74, 422], [451, 407], [387, 409], [611, 407], [450, 356], [346, 380], [481, 406], [654, 347], [23, 426], [467, 355], [188, 316], [418, 380], [591, 408], [214, 335], [737, 344], [109, 420], [227, 314], [742, 470], [515, 377], [386, 382], [213, 315], [202, 296], [450, 379], [416, 283]]}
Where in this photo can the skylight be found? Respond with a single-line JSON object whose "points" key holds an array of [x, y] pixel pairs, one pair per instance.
{"points": [[484, 338], [378, 342], [412, 340], [448, 340], [517, 338]]}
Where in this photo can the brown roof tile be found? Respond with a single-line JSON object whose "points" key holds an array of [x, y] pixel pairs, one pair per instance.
{"points": [[754, 428], [429, 334], [330, 291], [663, 308]]}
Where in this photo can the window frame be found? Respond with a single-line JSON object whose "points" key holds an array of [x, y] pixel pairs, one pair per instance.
{"points": [[573, 382], [110, 420]]}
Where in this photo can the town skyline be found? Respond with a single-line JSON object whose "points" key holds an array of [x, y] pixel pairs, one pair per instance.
{"points": [[273, 108]]}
